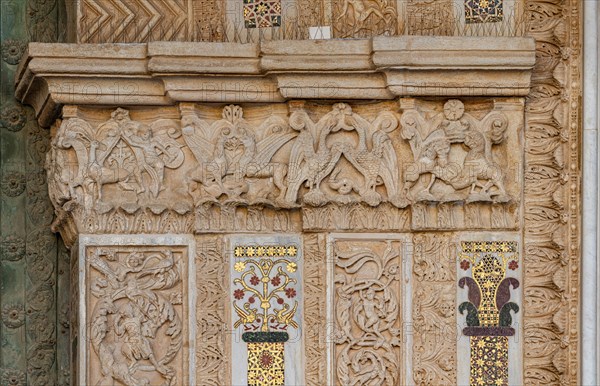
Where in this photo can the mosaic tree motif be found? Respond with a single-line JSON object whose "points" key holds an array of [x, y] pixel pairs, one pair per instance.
{"points": [[488, 310], [266, 307], [483, 11], [262, 13]]}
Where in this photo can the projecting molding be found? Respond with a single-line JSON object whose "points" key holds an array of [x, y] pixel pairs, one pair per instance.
{"points": [[164, 73]]}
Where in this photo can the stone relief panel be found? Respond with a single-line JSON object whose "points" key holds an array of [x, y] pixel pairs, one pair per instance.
{"points": [[455, 152], [364, 18], [135, 307], [435, 165], [368, 310], [266, 297], [236, 158], [429, 17], [118, 162], [434, 310]]}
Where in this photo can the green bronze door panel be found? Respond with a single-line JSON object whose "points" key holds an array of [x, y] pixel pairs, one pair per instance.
{"points": [[34, 273]]}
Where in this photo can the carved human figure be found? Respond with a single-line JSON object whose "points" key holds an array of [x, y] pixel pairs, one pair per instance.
{"points": [[369, 313], [151, 161], [360, 10], [129, 323], [431, 142]]}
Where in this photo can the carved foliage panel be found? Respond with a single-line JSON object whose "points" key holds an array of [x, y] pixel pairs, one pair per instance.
{"points": [[211, 284], [136, 316], [553, 191], [368, 310], [315, 309], [434, 310]]}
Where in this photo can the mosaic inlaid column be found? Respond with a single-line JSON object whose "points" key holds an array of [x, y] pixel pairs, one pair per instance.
{"points": [[489, 275], [266, 291]]}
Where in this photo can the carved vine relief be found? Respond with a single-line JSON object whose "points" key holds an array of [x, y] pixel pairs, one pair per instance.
{"points": [[282, 160], [368, 333], [136, 324]]}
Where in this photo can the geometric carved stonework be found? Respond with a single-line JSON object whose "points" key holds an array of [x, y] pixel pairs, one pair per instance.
{"points": [[137, 323]]}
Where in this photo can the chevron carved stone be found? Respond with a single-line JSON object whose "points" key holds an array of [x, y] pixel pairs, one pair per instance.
{"points": [[133, 21]]}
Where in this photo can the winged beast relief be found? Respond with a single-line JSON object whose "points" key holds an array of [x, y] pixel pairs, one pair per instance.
{"points": [[120, 151], [234, 157], [441, 171], [365, 145]]}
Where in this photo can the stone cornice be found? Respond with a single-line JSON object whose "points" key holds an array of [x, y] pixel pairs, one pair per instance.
{"points": [[164, 73]]}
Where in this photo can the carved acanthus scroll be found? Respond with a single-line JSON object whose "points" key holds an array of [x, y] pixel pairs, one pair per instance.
{"points": [[368, 331], [434, 304], [136, 323]]}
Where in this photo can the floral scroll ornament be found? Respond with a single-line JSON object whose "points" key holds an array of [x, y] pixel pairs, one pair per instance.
{"points": [[13, 315], [12, 184], [13, 117], [12, 248], [12, 377], [12, 51]]}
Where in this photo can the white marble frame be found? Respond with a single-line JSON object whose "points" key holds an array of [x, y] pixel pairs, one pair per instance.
{"points": [[407, 261], [186, 241], [590, 291]]}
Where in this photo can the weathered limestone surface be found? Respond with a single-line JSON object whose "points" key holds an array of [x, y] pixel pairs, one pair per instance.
{"points": [[377, 157], [161, 73]]}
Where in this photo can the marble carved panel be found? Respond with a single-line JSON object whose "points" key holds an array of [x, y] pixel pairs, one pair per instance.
{"points": [[135, 324]]}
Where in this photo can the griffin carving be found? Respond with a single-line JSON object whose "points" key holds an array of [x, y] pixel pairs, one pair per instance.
{"points": [[317, 151], [231, 157]]}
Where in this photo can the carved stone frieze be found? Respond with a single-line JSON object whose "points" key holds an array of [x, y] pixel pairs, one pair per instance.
{"points": [[137, 322], [287, 167], [552, 187], [367, 310], [454, 154], [363, 18]]}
